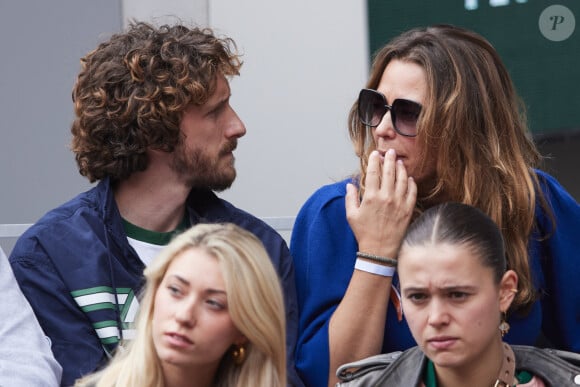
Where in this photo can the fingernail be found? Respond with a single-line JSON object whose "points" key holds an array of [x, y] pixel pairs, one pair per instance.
{"points": [[391, 151]]}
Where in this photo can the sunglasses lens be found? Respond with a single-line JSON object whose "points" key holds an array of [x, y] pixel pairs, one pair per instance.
{"points": [[405, 115], [371, 107]]}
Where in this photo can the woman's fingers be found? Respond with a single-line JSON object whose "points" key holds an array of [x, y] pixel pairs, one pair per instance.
{"points": [[402, 179], [389, 171], [373, 177], [389, 180], [379, 219], [411, 194], [387, 176]]}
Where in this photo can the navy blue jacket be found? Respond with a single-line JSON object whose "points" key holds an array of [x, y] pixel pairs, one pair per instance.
{"points": [[81, 276], [324, 250]]}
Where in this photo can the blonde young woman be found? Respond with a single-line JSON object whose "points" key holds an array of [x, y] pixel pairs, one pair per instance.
{"points": [[212, 314], [439, 120]]}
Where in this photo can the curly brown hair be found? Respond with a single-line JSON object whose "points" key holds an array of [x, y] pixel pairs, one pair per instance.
{"points": [[474, 126], [132, 90]]}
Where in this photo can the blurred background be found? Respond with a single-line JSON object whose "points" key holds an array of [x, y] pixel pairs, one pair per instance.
{"points": [[304, 63]]}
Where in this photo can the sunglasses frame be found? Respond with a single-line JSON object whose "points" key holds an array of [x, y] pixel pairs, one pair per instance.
{"points": [[386, 107]]}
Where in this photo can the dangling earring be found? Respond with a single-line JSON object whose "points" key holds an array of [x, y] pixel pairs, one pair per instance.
{"points": [[504, 327], [239, 354]]}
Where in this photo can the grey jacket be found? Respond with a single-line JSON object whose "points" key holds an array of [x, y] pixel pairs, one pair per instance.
{"points": [[25, 355], [555, 368]]}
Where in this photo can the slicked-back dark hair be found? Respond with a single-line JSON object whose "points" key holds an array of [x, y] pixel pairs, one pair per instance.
{"points": [[460, 224]]}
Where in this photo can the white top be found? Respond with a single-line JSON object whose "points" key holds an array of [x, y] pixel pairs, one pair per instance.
{"points": [[145, 251], [25, 355]]}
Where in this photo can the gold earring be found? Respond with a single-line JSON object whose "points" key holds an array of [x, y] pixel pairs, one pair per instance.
{"points": [[504, 327], [239, 354]]}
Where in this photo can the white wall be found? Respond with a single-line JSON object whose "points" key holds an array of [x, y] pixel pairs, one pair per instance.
{"points": [[304, 62], [188, 11], [42, 42]]}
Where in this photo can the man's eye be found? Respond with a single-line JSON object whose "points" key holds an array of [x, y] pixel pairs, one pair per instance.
{"points": [[417, 297], [458, 295]]}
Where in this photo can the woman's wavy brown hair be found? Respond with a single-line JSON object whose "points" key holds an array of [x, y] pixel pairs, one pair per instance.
{"points": [[473, 125], [132, 89]]}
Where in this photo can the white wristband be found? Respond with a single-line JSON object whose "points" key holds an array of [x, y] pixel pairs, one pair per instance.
{"points": [[374, 268]]}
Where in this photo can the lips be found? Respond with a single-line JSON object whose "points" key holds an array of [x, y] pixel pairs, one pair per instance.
{"points": [[442, 342], [176, 339], [230, 146], [382, 153]]}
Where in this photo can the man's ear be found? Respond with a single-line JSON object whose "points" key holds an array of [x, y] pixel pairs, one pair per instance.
{"points": [[508, 288]]}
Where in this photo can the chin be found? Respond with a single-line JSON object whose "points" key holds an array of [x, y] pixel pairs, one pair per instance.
{"points": [[170, 357], [448, 359], [224, 181], [221, 185]]}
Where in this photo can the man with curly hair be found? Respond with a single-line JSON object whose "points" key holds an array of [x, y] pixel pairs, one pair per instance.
{"points": [[155, 128]]}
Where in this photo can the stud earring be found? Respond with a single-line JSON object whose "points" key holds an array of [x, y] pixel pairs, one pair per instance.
{"points": [[239, 354], [504, 327]]}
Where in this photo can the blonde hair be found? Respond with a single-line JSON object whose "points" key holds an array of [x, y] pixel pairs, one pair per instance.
{"points": [[474, 126], [255, 304]]}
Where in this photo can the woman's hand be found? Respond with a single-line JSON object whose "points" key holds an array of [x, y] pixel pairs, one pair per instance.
{"points": [[380, 219]]}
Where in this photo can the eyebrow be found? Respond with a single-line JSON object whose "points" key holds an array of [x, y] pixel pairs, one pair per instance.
{"points": [[219, 104], [180, 279], [452, 288], [226, 97], [187, 283]]}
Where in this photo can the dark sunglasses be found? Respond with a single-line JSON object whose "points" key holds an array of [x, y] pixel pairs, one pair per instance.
{"points": [[372, 106]]}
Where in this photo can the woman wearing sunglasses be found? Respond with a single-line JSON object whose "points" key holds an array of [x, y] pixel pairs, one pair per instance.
{"points": [[439, 120]]}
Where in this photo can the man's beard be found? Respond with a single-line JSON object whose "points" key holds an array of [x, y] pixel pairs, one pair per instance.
{"points": [[198, 169]]}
